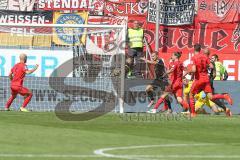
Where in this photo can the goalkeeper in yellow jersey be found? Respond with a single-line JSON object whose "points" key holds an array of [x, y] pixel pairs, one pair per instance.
{"points": [[201, 99]]}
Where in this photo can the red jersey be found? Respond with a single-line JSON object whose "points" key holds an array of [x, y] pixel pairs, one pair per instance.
{"points": [[19, 72], [177, 71], [202, 62]]}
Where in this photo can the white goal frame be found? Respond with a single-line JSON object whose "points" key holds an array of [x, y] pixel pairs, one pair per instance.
{"points": [[124, 29]]}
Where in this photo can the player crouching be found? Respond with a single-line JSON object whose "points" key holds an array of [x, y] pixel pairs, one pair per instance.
{"points": [[16, 76]]}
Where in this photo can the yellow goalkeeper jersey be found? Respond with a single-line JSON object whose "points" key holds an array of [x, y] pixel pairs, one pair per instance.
{"points": [[201, 98]]}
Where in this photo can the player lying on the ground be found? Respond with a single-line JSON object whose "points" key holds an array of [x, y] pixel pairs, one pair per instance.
{"points": [[160, 81], [16, 76], [201, 100], [176, 86], [200, 64]]}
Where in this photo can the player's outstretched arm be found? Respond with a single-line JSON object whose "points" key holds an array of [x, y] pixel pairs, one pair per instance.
{"points": [[168, 72], [148, 61], [32, 70]]}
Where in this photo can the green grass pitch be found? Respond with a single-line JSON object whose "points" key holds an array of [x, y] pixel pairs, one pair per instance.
{"points": [[37, 136]]}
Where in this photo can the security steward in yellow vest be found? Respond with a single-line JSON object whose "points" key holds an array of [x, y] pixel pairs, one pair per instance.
{"points": [[135, 47]]}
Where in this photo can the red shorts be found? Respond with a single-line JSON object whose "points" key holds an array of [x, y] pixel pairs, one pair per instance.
{"points": [[201, 85], [176, 88], [19, 90]]}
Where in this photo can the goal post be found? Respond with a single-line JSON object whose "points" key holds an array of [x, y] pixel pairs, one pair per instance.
{"points": [[96, 54]]}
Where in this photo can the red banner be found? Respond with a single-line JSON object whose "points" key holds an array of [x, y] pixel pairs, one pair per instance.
{"points": [[108, 20], [218, 11], [126, 7], [222, 39], [100, 39]]}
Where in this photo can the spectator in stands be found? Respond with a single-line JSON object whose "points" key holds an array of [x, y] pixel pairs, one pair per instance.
{"points": [[135, 36], [220, 69]]}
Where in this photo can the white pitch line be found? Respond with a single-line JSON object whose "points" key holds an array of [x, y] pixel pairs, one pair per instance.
{"points": [[102, 152], [47, 155]]}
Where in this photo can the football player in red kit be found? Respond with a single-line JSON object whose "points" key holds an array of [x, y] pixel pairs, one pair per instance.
{"points": [[200, 64], [176, 86], [16, 76]]}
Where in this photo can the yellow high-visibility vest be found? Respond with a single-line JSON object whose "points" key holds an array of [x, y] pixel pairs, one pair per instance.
{"points": [[135, 37], [220, 69]]}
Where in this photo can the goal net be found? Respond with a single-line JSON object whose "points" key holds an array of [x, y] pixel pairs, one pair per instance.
{"points": [[81, 66]]}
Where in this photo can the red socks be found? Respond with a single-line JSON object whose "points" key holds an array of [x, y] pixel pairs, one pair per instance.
{"points": [[185, 105], [9, 102], [217, 96], [192, 105], [160, 100], [27, 100]]}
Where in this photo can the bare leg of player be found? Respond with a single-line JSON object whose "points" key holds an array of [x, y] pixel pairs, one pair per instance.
{"points": [[149, 91]]}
